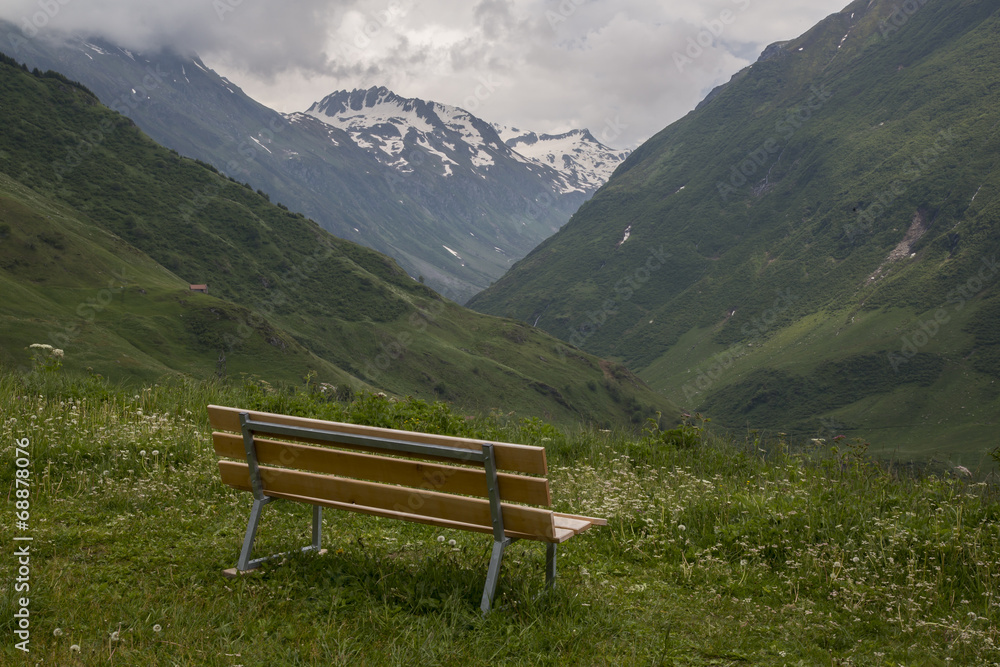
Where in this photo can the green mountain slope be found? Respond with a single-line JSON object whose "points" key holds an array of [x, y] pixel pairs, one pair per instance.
{"points": [[317, 169], [814, 248], [102, 232]]}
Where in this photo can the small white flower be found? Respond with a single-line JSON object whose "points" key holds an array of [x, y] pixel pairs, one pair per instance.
{"points": [[75, 648], [114, 636], [57, 353], [681, 527], [440, 538], [57, 632], [142, 452], [157, 628], [156, 452], [451, 543]]}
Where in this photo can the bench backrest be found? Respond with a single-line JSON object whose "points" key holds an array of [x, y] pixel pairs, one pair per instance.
{"points": [[433, 479]]}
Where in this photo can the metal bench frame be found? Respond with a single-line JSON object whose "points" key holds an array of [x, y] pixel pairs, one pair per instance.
{"points": [[501, 541]]}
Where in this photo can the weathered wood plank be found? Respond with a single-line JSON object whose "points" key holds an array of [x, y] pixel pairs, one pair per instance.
{"points": [[417, 502], [509, 456], [384, 469]]}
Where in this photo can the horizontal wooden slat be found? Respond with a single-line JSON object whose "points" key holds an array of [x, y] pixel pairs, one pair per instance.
{"points": [[576, 525], [430, 476], [560, 535], [459, 509], [509, 456], [594, 521]]}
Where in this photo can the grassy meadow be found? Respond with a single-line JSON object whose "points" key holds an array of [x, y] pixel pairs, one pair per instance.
{"points": [[717, 552]]}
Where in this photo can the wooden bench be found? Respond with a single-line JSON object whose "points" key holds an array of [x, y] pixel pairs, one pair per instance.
{"points": [[444, 481]]}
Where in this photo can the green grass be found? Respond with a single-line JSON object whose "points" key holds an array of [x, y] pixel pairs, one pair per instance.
{"points": [[716, 552]]}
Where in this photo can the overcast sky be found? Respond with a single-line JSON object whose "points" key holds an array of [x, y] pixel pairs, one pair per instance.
{"points": [[625, 69]]}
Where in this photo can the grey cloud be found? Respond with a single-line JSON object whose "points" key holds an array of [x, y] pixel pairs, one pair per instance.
{"points": [[552, 64], [266, 37]]}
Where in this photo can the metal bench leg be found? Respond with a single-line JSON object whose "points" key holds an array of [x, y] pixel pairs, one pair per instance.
{"points": [[244, 564], [317, 527], [550, 564], [493, 574]]}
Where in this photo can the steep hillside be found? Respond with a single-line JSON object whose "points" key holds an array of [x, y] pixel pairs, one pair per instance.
{"points": [[489, 215], [102, 232], [814, 248]]}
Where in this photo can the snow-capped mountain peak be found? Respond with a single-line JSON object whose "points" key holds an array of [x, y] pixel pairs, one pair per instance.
{"points": [[395, 127], [406, 133], [577, 154]]}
